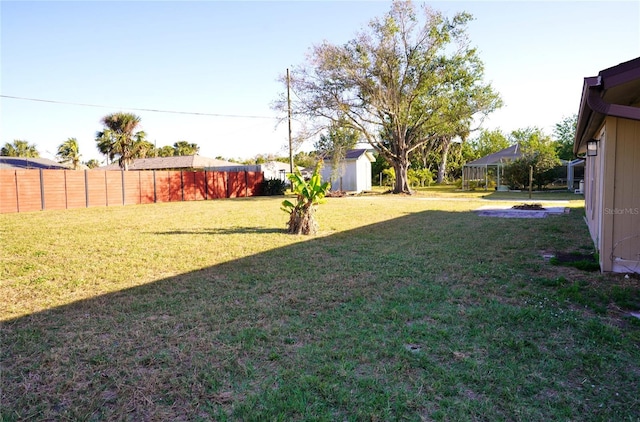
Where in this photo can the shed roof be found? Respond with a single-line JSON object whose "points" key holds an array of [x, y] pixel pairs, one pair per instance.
{"points": [[178, 162], [355, 154], [614, 92], [30, 163], [508, 154]]}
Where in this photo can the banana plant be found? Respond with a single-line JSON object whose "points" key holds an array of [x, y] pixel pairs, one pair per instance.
{"points": [[308, 195]]}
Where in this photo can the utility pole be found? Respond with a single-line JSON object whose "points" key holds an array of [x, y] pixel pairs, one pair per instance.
{"points": [[289, 115], [530, 180]]}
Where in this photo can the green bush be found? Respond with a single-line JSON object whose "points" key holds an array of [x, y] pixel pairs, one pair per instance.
{"points": [[420, 177], [272, 187], [389, 176], [516, 173]]}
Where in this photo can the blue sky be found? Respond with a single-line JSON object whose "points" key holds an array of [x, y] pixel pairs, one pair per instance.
{"points": [[225, 58]]}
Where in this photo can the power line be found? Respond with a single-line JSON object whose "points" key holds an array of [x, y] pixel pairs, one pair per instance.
{"points": [[138, 109]]}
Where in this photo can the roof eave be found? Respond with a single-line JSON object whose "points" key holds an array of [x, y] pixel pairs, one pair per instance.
{"points": [[585, 115], [593, 107]]}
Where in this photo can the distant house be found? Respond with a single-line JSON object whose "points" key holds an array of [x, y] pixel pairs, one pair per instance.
{"points": [[185, 162], [353, 173], [15, 163], [271, 169], [275, 170], [608, 135]]}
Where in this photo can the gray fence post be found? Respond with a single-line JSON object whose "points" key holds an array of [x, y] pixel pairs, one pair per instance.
{"points": [[122, 178], [66, 193], [41, 190], [86, 188]]}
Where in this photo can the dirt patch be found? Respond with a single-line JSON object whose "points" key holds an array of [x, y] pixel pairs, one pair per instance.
{"points": [[569, 257], [336, 194], [581, 261], [529, 207], [520, 211]]}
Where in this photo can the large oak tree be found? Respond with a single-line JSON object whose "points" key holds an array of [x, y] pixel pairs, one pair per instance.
{"points": [[404, 82]]}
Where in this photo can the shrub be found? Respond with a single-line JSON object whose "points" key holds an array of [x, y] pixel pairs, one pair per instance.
{"points": [[272, 187], [420, 177], [389, 176]]}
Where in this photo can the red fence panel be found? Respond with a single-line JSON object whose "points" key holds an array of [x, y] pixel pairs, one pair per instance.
{"points": [[188, 186], [200, 185], [162, 186], [175, 186], [254, 182], [8, 192], [76, 190], [237, 184], [208, 176], [54, 184], [216, 184], [146, 187], [96, 188], [131, 187], [33, 190], [114, 188], [29, 198]]}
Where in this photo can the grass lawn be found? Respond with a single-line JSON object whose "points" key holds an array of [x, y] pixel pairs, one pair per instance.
{"points": [[402, 308]]}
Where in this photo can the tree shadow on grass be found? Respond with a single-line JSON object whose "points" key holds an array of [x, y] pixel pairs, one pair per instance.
{"points": [[315, 330], [224, 230], [542, 196]]}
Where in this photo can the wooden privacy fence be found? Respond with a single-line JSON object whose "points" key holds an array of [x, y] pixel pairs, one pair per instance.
{"points": [[34, 190]]}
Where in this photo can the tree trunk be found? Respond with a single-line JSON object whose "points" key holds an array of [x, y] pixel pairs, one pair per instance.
{"points": [[442, 169], [302, 221], [401, 168]]}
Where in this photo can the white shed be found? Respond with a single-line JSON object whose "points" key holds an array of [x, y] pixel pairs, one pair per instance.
{"points": [[354, 172]]}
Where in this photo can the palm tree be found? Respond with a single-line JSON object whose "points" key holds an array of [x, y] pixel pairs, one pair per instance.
{"points": [[122, 127], [19, 148], [69, 152], [182, 148], [105, 141], [145, 149], [93, 163], [165, 151], [141, 147]]}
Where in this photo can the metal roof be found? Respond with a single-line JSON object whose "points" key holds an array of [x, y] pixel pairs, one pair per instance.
{"points": [[506, 155], [31, 163], [354, 154], [178, 162]]}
